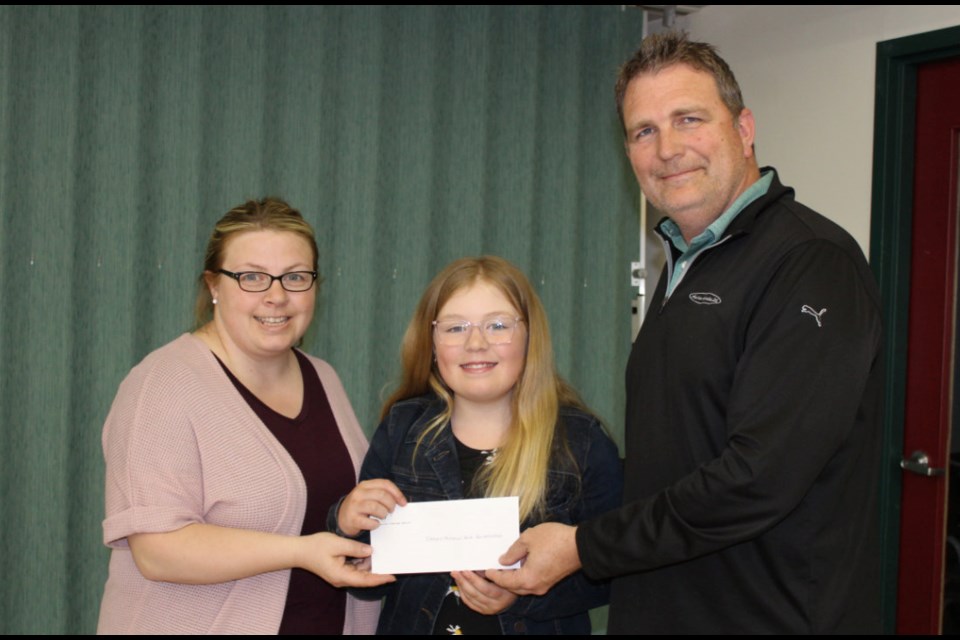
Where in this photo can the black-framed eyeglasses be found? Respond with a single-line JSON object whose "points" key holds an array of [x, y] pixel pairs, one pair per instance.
{"points": [[257, 281]]}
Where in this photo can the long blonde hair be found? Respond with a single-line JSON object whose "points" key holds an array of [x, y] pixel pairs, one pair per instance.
{"points": [[522, 463]]}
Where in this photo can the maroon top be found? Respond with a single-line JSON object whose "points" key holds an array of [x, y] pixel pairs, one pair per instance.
{"points": [[313, 441]]}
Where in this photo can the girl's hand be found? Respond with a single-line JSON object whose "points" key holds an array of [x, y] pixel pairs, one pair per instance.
{"points": [[370, 499], [480, 594]]}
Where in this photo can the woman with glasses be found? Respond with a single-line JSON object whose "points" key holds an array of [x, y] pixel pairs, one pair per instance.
{"points": [[224, 451], [481, 412]]}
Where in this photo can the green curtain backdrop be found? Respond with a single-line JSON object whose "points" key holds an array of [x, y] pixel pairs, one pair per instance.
{"points": [[407, 136]]}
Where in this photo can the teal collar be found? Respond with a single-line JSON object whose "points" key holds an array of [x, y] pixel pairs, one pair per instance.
{"points": [[711, 234], [715, 231]]}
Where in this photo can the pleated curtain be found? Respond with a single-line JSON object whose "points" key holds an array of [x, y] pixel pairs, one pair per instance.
{"points": [[408, 136]]}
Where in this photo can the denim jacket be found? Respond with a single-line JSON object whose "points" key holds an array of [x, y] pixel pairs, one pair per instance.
{"points": [[574, 494]]}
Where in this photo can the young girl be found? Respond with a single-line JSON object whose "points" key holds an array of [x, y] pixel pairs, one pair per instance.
{"points": [[481, 412]]}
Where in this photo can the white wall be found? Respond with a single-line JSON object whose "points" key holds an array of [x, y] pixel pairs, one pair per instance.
{"points": [[808, 74]]}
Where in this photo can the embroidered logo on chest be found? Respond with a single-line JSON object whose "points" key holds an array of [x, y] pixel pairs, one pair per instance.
{"points": [[817, 315], [705, 298]]}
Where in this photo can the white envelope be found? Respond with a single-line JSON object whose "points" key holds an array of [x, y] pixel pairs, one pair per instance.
{"points": [[449, 535]]}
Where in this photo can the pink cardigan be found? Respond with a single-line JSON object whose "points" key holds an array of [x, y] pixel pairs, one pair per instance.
{"points": [[182, 446]]}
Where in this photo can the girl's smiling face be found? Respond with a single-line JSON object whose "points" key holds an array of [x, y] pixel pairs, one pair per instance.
{"points": [[477, 371]]}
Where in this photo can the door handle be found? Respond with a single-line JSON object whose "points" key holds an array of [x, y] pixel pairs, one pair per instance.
{"points": [[919, 463]]}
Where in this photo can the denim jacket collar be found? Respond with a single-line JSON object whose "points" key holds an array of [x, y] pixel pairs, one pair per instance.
{"points": [[441, 454]]}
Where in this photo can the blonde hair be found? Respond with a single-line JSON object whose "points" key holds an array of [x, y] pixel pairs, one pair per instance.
{"points": [[522, 463], [254, 215]]}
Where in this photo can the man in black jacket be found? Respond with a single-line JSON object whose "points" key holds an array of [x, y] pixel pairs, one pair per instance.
{"points": [[753, 390]]}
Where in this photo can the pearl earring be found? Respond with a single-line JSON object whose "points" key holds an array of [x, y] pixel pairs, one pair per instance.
{"points": [[214, 301]]}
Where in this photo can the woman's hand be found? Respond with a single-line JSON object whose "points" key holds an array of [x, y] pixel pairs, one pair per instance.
{"points": [[370, 499], [340, 562], [208, 554], [480, 594]]}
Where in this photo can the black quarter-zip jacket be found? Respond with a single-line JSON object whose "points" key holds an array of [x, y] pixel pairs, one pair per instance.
{"points": [[752, 440]]}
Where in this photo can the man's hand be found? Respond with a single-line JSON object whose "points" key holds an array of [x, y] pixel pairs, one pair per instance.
{"points": [[549, 554]]}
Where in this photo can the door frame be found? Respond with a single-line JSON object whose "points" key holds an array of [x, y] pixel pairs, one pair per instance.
{"points": [[890, 238]]}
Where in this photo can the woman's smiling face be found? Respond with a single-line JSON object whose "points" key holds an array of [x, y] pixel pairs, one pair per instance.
{"points": [[266, 323]]}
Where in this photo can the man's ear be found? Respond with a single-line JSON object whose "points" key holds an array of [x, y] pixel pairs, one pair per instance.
{"points": [[746, 128]]}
